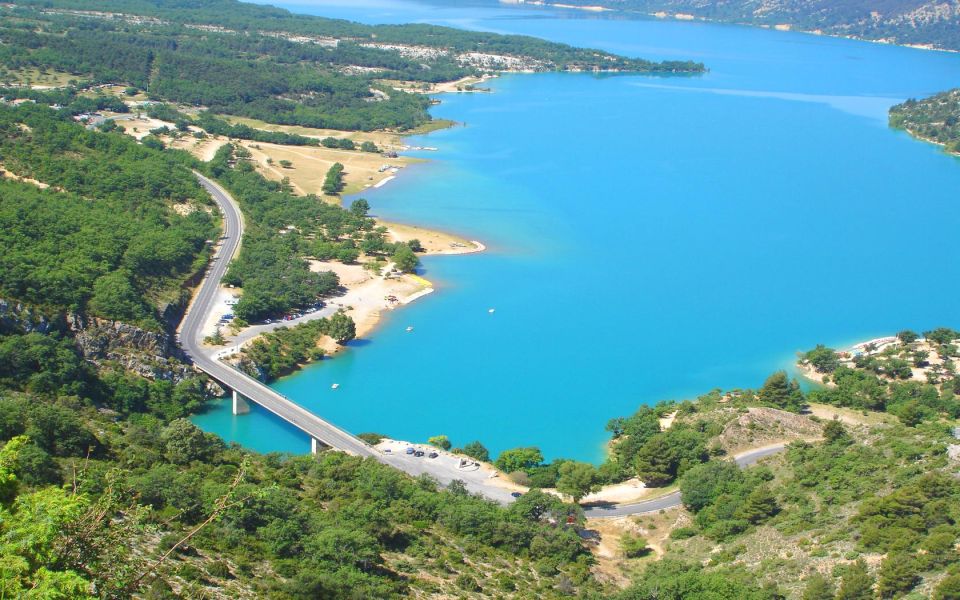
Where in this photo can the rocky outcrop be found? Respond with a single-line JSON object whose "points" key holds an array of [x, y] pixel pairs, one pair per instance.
{"points": [[18, 317], [150, 354]]}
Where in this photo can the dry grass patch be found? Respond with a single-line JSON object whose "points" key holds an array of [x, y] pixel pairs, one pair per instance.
{"points": [[605, 536], [760, 426], [384, 140], [36, 79], [309, 166]]}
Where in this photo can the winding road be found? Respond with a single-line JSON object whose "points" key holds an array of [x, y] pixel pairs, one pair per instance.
{"points": [[190, 337], [672, 499]]}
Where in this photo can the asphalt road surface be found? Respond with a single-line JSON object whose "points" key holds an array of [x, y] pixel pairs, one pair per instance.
{"points": [[671, 500], [191, 331]]}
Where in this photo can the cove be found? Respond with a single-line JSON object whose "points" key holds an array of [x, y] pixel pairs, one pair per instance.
{"points": [[649, 238]]}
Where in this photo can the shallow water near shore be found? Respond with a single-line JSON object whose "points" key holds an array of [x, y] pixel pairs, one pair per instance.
{"points": [[649, 237]]}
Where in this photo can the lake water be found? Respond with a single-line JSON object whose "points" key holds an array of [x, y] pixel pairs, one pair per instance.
{"points": [[649, 237]]}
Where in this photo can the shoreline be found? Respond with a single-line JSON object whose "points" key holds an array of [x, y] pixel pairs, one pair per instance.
{"points": [[877, 347]]}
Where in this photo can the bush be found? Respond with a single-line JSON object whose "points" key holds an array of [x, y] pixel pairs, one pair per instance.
{"points": [[683, 533], [634, 546], [468, 583], [371, 438], [440, 441], [219, 568]]}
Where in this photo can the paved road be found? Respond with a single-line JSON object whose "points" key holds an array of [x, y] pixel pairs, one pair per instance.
{"points": [[672, 499], [192, 326]]}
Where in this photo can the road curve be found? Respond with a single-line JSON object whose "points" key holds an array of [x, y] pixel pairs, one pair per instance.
{"points": [[672, 499], [191, 331]]}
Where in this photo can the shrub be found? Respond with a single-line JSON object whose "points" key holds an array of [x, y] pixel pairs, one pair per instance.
{"points": [[634, 546]]}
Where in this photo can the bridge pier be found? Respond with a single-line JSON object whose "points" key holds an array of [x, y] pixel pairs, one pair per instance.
{"points": [[240, 405], [316, 446]]}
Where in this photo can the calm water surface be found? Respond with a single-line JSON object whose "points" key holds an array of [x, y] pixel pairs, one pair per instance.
{"points": [[650, 237]]}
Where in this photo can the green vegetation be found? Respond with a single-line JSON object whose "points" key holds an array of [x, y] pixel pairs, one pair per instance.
{"points": [[641, 449], [440, 441], [216, 126], [870, 511], [634, 546], [935, 119], [577, 480], [268, 64], [160, 503], [475, 450], [281, 230], [333, 182], [284, 349], [884, 380], [104, 237], [726, 500], [518, 459], [405, 260]]}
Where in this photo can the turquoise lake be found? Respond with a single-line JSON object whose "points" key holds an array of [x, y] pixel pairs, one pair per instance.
{"points": [[649, 238]]}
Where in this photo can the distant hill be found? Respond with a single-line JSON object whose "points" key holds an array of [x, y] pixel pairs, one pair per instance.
{"points": [[917, 22]]}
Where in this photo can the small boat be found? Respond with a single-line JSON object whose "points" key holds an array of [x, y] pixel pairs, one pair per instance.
{"points": [[492, 310], [335, 386], [410, 328]]}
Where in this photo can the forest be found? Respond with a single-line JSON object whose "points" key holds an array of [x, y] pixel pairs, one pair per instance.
{"points": [[267, 73], [100, 233]]}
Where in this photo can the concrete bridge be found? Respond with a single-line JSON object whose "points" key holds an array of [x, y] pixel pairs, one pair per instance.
{"points": [[244, 387]]}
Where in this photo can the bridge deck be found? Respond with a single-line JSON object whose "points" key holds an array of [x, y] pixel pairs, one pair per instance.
{"points": [[251, 389]]}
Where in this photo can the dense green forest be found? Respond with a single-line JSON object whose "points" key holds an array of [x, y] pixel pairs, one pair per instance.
{"points": [[247, 60], [283, 230], [102, 236], [149, 504], [924, 22], [936, 119]]}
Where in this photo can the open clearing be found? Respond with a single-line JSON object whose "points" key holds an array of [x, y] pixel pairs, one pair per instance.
{"points": [[36, 79], [309, 166], [384, 140]]}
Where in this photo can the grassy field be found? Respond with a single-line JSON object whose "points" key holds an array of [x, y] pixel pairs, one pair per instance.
{"points": [[35, 78], [384, 140], [309, 166]]}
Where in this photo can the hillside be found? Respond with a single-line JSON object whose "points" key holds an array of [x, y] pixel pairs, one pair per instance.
{"points": [[919, 22]]}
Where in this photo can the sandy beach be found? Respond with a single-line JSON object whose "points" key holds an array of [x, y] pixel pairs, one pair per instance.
{"points": [[433, 242]]}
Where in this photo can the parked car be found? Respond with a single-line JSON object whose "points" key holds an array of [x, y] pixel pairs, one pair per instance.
{"points": [[410, 450], [516, 494], [418, 453], [433, 455]]}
